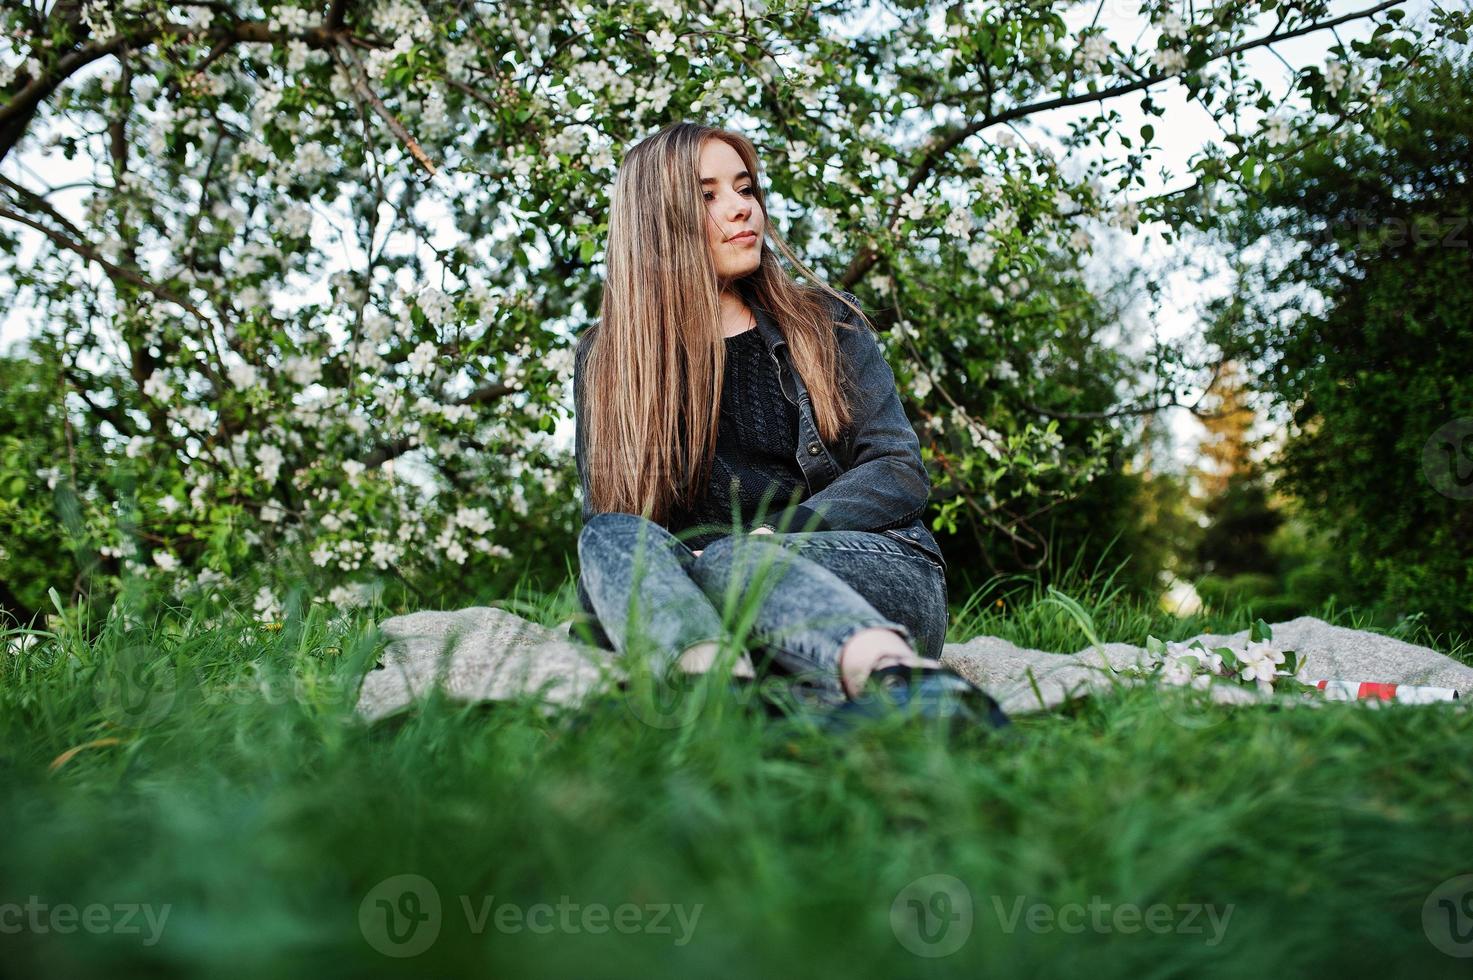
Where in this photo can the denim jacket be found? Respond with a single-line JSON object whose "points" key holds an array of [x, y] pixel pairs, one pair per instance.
{"points": [[872, 478]]}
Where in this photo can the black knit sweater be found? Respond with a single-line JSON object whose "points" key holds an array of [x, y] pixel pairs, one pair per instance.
{"points": [[756, 448]]}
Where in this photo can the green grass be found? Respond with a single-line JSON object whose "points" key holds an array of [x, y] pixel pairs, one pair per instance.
{"points": [[250, 801]]}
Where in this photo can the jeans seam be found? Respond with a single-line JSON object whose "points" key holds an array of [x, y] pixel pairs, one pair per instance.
{"points": [[907, 552]]}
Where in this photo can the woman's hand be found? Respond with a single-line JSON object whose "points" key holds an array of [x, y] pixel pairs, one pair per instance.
{"points": [[755, 530]]}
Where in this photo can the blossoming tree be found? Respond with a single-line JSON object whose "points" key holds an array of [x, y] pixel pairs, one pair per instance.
{"points": [[303, 275]]}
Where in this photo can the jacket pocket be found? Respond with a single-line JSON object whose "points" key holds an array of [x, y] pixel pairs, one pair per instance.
{"points": [[921, 545]]}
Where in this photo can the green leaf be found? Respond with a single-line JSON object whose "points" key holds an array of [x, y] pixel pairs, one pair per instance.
{"points": [[1148, 131], [1260, 632]]}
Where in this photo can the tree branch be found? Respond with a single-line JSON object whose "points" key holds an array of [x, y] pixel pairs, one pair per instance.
{"points": [[360, 84], [113, 270], [863, 262], [17, 113]]}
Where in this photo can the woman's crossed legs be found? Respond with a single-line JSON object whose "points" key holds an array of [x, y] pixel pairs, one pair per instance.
{"points": [[827, 605]]}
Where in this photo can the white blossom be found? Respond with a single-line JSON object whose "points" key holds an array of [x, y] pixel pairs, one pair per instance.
{"points": [[1276, 128], [345, 597], [302, 369], [287, 19], [661, 42], [1169, 61], [435, 305], [912, 207], [157, 388], [269, 460], [296, 221], [474, 519], [422, 359], [958, 222], [1172, 26], [376, 326], [1260, 663], [268, 609], [1177, 672], [1093, 52], [980, 254], [383, 553], [1341, 76], [243, 375], [1126, 215]]}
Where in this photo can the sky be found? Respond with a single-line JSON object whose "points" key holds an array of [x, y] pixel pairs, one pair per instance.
{"points": [[1181, 132]]}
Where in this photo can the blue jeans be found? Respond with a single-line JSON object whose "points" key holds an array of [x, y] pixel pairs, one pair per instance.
{"points": [[814, 590]]}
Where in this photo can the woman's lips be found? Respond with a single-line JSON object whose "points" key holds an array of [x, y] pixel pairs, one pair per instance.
{"points": [[745, 238]]}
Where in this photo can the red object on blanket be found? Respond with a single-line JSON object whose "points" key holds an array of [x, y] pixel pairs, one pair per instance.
{"points": [[1337, 690]]}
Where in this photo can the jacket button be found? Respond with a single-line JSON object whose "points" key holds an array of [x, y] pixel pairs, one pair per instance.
{"points": [[813, 449]]}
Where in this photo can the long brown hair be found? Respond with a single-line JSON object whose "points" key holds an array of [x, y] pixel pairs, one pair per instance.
{"points": [[651, 381]]}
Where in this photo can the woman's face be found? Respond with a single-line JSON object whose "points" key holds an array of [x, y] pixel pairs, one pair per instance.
{"points": [[731, 210]]}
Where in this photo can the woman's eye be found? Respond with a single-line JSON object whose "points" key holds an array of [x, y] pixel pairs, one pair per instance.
{"points": [[744, 190]]}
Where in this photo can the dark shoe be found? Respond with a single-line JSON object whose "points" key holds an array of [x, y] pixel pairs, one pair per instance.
{"points": [[924, 691]]}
